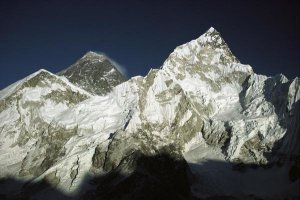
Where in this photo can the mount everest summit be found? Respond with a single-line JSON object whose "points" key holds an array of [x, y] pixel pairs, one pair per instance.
{"points": [[94, 73], [203, 126]]}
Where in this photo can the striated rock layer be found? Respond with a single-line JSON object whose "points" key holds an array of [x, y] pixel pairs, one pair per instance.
{"points": [[203, 125]]}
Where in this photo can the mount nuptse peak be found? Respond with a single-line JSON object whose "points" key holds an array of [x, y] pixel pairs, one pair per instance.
{"points": [[203, 114], [209, 58], [94, 73], [210, 42]]}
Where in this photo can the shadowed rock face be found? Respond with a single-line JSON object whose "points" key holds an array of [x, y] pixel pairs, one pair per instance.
{"points": [[94, 73], [159, 176]]}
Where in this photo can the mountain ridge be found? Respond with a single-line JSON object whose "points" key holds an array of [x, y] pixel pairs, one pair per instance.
{"points": [[201, 105]]}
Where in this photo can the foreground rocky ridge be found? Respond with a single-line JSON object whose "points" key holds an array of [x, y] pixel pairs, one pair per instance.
{"points": [[202, 106]]}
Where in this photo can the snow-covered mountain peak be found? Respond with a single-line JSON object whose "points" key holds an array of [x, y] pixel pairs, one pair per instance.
{"points": [[29, 81], [208, 44], [211, 29], [40, 72], [207, 60], [94, 73], [39, 79], [212, 34], [201, 106], [94, 55]]}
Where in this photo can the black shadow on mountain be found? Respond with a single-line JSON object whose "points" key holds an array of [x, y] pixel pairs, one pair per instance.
{"points": [[156, 177], [153, 177], [14, 189], [276, 93]]}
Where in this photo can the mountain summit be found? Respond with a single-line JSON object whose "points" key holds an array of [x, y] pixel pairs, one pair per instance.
{"points": [[203, 126], [94, 73]]}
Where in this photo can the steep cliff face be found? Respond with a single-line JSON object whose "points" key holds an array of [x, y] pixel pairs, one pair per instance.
{"points": [[202, 108], [94, 73]]}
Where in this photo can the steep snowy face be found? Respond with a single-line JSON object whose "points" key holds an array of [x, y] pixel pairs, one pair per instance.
{"points": [[236, 107], [201, 96], [209, 58], [208, 71], [205, 104], [271, 104], [94, 73], [26, 110]]}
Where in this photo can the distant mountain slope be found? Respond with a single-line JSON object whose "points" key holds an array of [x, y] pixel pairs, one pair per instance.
{"points": [[26, 110], [94, 73]]}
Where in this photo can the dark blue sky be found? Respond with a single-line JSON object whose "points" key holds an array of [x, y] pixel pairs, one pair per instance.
{"points": [[141, 34]]}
